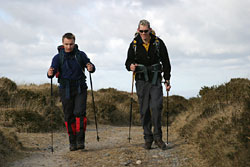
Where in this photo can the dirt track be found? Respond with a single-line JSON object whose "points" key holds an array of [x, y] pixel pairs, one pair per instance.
{"points": [[113, 149]]}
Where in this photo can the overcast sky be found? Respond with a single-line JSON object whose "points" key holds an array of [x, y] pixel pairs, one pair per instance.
{"points": [[208, 41]]}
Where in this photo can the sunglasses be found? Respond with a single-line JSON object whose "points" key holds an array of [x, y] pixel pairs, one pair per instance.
{"points": [[141, 31]]}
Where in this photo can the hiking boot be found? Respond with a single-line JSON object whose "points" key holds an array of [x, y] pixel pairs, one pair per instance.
{"points": [[80, 146], [147, 145], [72, 147], [161, 144], [80, 139]]}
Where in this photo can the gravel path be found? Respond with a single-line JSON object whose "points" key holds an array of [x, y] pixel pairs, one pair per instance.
{"points": [[113, 149]]}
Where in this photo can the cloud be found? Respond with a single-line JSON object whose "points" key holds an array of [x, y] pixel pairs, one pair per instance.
{"points": [[208, 41]]}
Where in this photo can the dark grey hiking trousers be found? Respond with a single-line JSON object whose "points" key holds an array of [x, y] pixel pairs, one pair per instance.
{"points": [[74, 109], [150, 100]]}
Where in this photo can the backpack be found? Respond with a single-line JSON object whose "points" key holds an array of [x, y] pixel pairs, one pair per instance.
{"points": [[156, 68], [78, 58], [156, 44]]}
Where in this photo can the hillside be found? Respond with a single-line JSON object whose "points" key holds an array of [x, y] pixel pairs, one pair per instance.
{"points": [[216, 123]]}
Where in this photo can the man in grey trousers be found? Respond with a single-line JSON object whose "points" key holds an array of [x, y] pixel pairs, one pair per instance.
{"points": [[148, 58]]}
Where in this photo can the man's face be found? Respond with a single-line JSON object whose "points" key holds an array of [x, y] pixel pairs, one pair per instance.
{"points": [[68, 44], [144, 32]]}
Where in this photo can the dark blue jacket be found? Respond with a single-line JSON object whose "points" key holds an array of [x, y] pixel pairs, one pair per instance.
{"points": [[70, 68]]}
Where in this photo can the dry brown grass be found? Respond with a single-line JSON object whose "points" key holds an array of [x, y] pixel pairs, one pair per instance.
{"points": [[9, 143], [218, 124], [214, 125]]}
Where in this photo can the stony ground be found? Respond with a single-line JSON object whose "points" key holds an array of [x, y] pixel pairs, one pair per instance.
{"points": [[113, 149]]}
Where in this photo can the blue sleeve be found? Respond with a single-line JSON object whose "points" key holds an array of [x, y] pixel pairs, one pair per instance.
{"points": [[86, 60], [55, 65]]}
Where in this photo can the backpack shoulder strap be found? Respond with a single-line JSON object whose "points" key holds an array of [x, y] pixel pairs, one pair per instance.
{"points": [[157, 47], [135, 42], [61, 56], [134, 45], [80, 60], [61, 59], [157, 43]]}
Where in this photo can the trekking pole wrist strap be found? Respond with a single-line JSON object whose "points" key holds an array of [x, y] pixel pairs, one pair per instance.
{"points": [[167, 82]]}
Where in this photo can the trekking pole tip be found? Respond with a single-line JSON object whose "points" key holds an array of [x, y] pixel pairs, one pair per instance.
{"points": [[98, 138], [51, 148]]}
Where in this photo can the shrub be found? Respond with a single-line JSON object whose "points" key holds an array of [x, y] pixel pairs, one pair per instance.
{"points": [[4, 97], [9, 144], [7, 84]]}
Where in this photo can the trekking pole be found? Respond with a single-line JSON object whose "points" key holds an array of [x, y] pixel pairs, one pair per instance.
{"points": [[167, 114], [131, 104], [167, 108], [51, 104], [93, 101]]}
